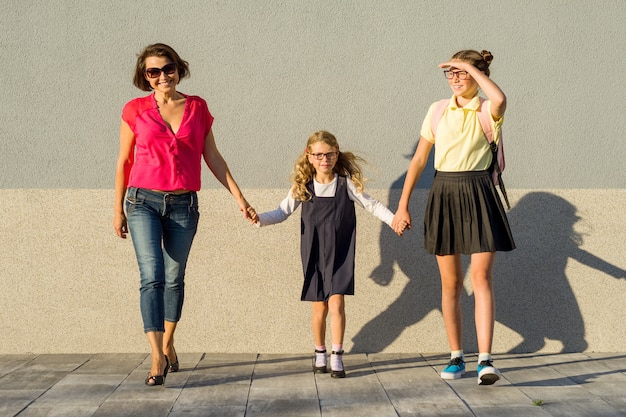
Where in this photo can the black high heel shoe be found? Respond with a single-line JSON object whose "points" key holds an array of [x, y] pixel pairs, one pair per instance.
{"points": [[153, 380], [174, 366]]}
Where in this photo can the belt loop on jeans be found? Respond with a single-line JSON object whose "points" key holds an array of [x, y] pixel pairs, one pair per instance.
{"points": [[165, 201]]}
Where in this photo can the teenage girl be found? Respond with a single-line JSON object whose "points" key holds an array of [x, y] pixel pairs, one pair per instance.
{"points": [[327, 183], [464, 214]]}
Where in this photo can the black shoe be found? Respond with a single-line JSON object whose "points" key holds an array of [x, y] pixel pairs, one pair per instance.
{"points": [[337, 373], [319, 369], [174, 366], [153, 380]]}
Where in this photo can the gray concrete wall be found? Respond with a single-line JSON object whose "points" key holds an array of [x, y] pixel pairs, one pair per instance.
{"points": [[272, 73]]}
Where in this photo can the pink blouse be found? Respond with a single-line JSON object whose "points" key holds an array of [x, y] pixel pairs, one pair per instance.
{"points": [[165, 160]]}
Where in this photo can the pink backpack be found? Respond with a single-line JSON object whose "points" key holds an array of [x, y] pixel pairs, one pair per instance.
{"points": [[497, 150]]}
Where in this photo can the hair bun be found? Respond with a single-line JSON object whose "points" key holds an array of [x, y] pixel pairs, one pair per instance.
{"points": [[487, 56]]}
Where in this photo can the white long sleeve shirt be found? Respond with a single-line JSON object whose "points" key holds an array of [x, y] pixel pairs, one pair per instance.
{"points": [[290, 204]]}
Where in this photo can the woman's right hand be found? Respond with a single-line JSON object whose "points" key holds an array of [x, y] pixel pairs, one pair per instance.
{"points": [[122, 171], [120, 225]]}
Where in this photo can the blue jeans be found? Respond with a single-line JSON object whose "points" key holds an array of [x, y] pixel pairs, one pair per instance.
{"points": [[162, 227]]}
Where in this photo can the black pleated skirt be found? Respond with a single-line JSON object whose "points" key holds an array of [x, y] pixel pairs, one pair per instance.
{"points": [[464, 215]]}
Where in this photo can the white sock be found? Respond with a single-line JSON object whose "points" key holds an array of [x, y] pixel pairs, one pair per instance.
{"points": [[484, 357], [336, 364], [457, 354], [320, 358]]}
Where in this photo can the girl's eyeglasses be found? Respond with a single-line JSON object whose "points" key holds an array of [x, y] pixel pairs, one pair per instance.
{"points": [[169, 69], [449, 74], [329, 155]]}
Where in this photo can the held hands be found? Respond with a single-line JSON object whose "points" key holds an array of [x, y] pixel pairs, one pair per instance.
{"points": [[401, 221], [249, 213]]}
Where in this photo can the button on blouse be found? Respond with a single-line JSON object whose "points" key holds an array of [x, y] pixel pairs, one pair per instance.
{"points": [[165, 160]]}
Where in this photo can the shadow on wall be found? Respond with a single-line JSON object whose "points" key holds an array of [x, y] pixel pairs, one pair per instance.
{"points": [[533, 295]]}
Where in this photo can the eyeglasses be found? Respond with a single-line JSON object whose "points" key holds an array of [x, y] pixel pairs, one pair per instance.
{"points": [[449, 74], [329, 155], [169, 69]]}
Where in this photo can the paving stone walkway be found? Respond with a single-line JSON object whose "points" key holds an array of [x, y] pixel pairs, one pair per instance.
{"points": [[277, 385]]}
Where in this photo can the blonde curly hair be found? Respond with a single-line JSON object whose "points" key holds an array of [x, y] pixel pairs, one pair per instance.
{"points": [[348, 165]]}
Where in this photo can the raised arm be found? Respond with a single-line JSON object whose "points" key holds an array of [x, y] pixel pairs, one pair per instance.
{"points": [[490, 88]]}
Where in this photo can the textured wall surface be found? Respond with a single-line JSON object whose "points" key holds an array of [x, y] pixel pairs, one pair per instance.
{"points": [[70, 285], [272, 73]]}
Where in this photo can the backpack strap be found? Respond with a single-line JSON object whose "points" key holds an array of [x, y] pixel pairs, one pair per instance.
{"points": [[497, 150], [437, 113], [484, 117]]}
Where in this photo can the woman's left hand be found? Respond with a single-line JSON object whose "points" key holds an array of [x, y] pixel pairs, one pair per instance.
{"points": [[249, 212]]}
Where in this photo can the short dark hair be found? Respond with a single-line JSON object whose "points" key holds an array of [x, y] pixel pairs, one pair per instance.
{"points": [[160, 50]]}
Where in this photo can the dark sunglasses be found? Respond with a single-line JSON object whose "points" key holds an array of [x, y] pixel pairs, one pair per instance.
{"points": [[169, 69]]}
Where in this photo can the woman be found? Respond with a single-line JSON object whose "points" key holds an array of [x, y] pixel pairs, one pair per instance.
{"points": [[163, 138]]}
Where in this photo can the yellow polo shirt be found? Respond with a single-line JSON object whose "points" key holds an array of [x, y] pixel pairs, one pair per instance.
{"points": [[461, 144]]}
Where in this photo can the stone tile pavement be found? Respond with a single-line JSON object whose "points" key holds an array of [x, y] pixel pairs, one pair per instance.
{"points": [[276, 385]]}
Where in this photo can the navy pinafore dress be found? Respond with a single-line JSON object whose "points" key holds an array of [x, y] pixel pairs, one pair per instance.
{"points": [[328, 235]]}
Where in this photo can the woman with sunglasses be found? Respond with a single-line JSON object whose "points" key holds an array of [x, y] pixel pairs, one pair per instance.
{"points": [[163, 138], [464, 214]]}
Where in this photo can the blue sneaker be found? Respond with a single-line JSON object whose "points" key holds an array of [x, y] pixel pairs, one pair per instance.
{"points": [[454, 370], [487, 373]]}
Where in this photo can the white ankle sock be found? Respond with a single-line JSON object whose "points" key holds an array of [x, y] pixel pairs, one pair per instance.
{"points": [[484, 357], [336, 364], [320, 358]]}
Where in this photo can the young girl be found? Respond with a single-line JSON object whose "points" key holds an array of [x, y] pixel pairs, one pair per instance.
{"points": [[327, 183], [464, 214]]}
